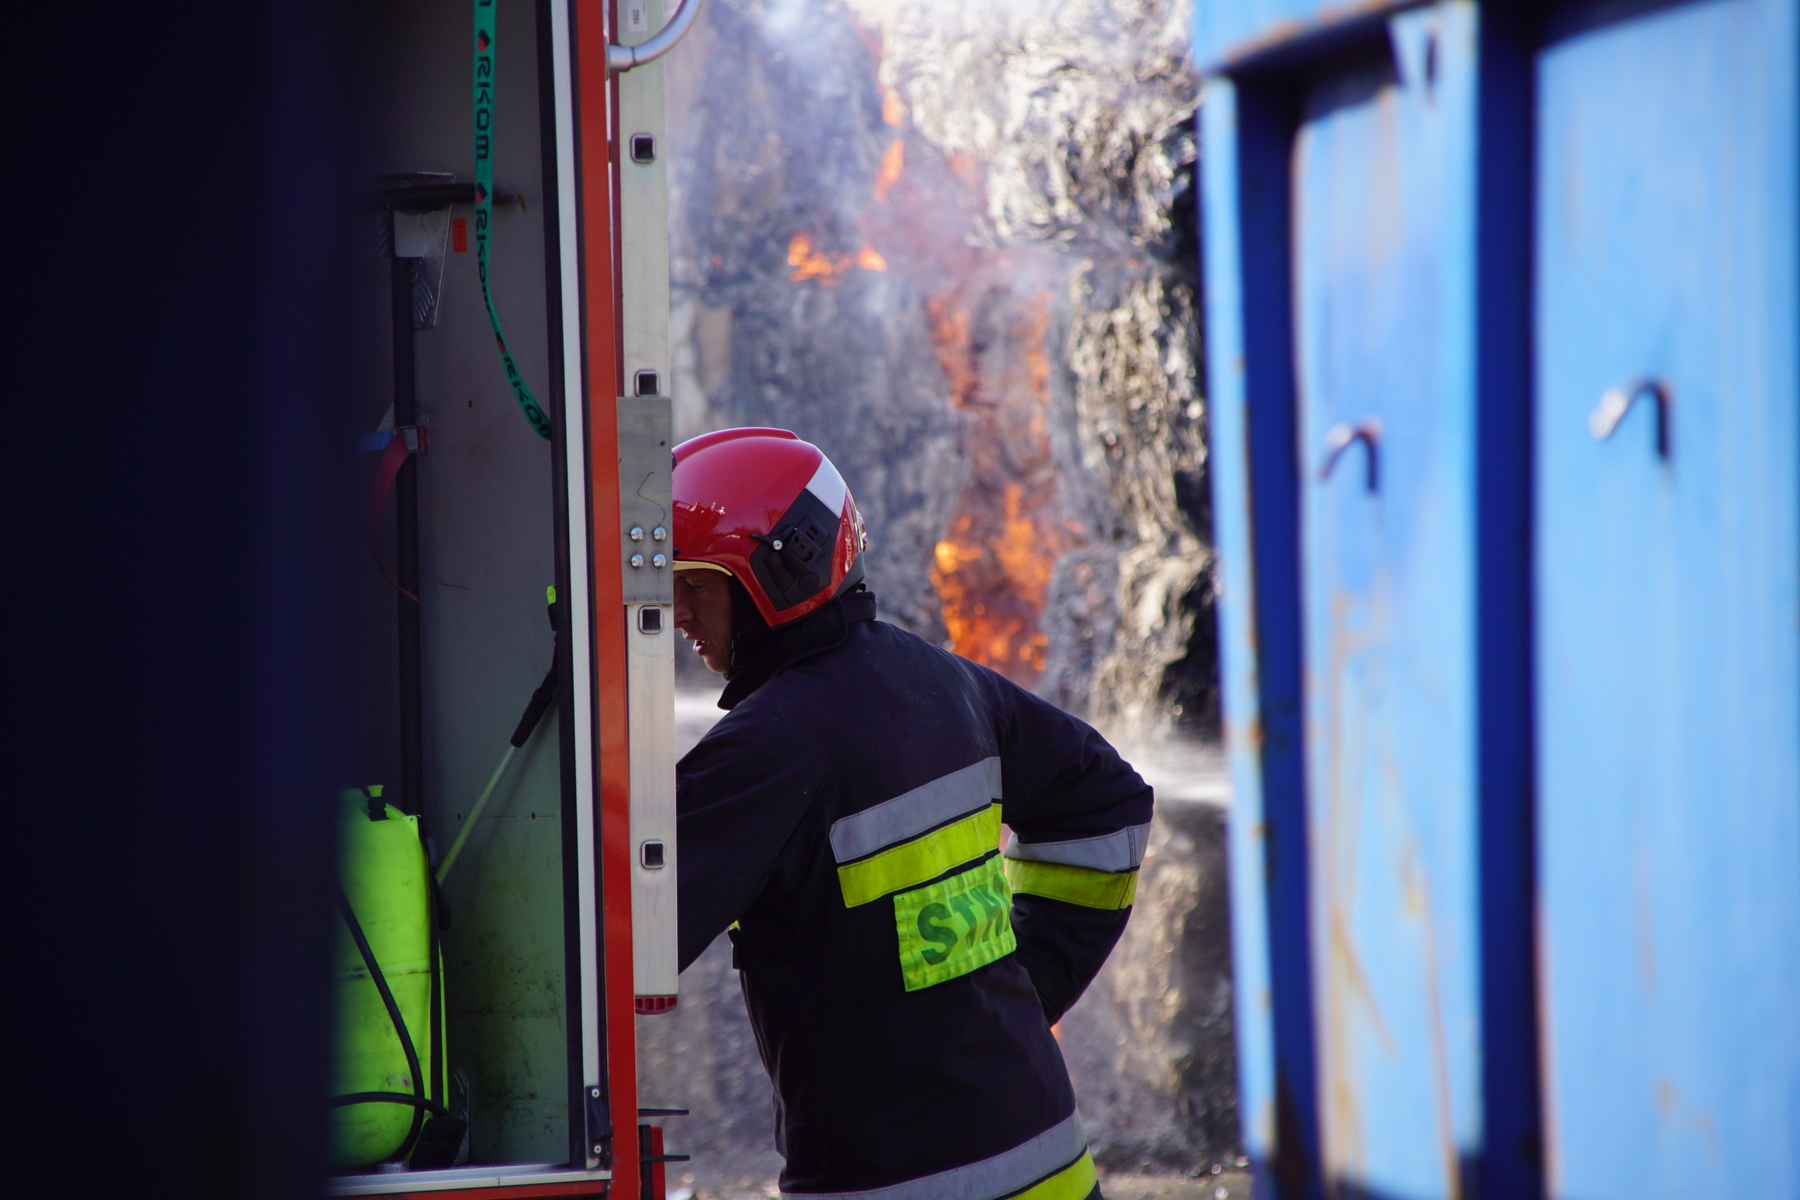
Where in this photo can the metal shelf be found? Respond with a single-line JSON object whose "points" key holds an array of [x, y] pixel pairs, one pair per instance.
{"points": [[462, 1178]]}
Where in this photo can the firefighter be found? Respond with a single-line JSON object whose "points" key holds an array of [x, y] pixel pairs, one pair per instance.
{"points": [[843, 820]]}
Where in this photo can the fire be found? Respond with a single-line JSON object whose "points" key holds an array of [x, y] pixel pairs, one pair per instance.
{"points": [[809, 263], [993, 568], [893, 161], [950, 338], [1009, 527], [992, 574], [893, 109], [1017, 550]]}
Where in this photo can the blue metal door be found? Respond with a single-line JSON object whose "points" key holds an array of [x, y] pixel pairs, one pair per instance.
{"points": [[1667, 547], [1383, 187]]}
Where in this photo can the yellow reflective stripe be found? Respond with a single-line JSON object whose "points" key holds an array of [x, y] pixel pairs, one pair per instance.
{"points": [[1077, 885], [1074, 1182], [927, 857]]}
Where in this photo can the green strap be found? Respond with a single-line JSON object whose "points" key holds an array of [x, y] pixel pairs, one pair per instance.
{"points": [[484, 203]]}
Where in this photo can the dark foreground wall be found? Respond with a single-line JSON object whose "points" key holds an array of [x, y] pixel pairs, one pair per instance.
{"points": [[172, 666]]}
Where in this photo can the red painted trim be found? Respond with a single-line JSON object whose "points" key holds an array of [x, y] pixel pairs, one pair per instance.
{"points": [[519, 1191], [658, 1177], [599, 203]]}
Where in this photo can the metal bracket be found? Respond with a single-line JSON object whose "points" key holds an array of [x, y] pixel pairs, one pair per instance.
{"points": [[599, 1121], [646, 461]]}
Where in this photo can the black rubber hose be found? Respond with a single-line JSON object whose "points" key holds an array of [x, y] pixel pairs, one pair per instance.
{"points": [[419, 1099], [436, 1110]]}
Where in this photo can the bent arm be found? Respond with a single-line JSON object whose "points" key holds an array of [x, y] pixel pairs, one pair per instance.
{"points": [[1080, 818], [737, 806]]}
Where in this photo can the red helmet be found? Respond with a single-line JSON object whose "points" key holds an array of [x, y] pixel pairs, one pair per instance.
{"points": [[771, 510]]}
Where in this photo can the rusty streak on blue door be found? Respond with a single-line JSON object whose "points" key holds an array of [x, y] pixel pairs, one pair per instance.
{"points": [[1385, 294], [1668, 576], [1381, 916]]}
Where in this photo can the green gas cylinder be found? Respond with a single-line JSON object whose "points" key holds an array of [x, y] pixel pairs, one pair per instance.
{"points": [[385, 878]]}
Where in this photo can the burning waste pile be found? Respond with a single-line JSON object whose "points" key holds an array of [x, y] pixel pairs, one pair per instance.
{"points": [[954, 246]]}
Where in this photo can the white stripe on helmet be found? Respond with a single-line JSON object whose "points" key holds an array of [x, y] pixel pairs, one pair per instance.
{"points": [[829, 487]]}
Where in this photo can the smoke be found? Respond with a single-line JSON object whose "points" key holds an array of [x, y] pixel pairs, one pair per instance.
{"points": [[953, 246]]}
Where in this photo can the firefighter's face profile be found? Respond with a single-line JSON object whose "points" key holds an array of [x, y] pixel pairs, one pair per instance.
{"points": [[703, 614]]}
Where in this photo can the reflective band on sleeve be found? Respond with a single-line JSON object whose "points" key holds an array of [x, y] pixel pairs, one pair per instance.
{"points": [[1074, 1182], [1006, 1174], [912, 813], [1076, 885], [1121, 850], [950, 928], [912, 863]]}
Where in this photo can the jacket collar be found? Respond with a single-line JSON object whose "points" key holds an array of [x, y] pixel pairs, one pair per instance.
{"points": [[824, 629]]}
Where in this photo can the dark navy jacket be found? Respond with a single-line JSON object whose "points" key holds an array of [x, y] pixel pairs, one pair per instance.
{"points": [[901, 976]]}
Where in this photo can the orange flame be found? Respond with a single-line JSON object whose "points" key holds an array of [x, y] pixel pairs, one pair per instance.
{"points": [[893, 161], [992, 570], [813, 264], [893, 109], [950, 338], [992, 584], [1009, 527]]}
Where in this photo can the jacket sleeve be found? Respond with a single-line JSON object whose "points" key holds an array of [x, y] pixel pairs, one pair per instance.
{"points": [[737, 807], [1080, 817]]}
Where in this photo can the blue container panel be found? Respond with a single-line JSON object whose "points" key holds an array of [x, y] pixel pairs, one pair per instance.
{"points": [[1227, 33], [1668, 656], [1231, 27], [1230, 438], [1383, 257], [1248, 143]]}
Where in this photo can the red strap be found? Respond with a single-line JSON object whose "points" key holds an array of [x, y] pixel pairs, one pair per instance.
{"points": [[391, 461]]}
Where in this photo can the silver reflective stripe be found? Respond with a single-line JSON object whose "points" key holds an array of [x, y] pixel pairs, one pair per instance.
{"points": [[1122, 850], [1001, 1175], [969, 790]]}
